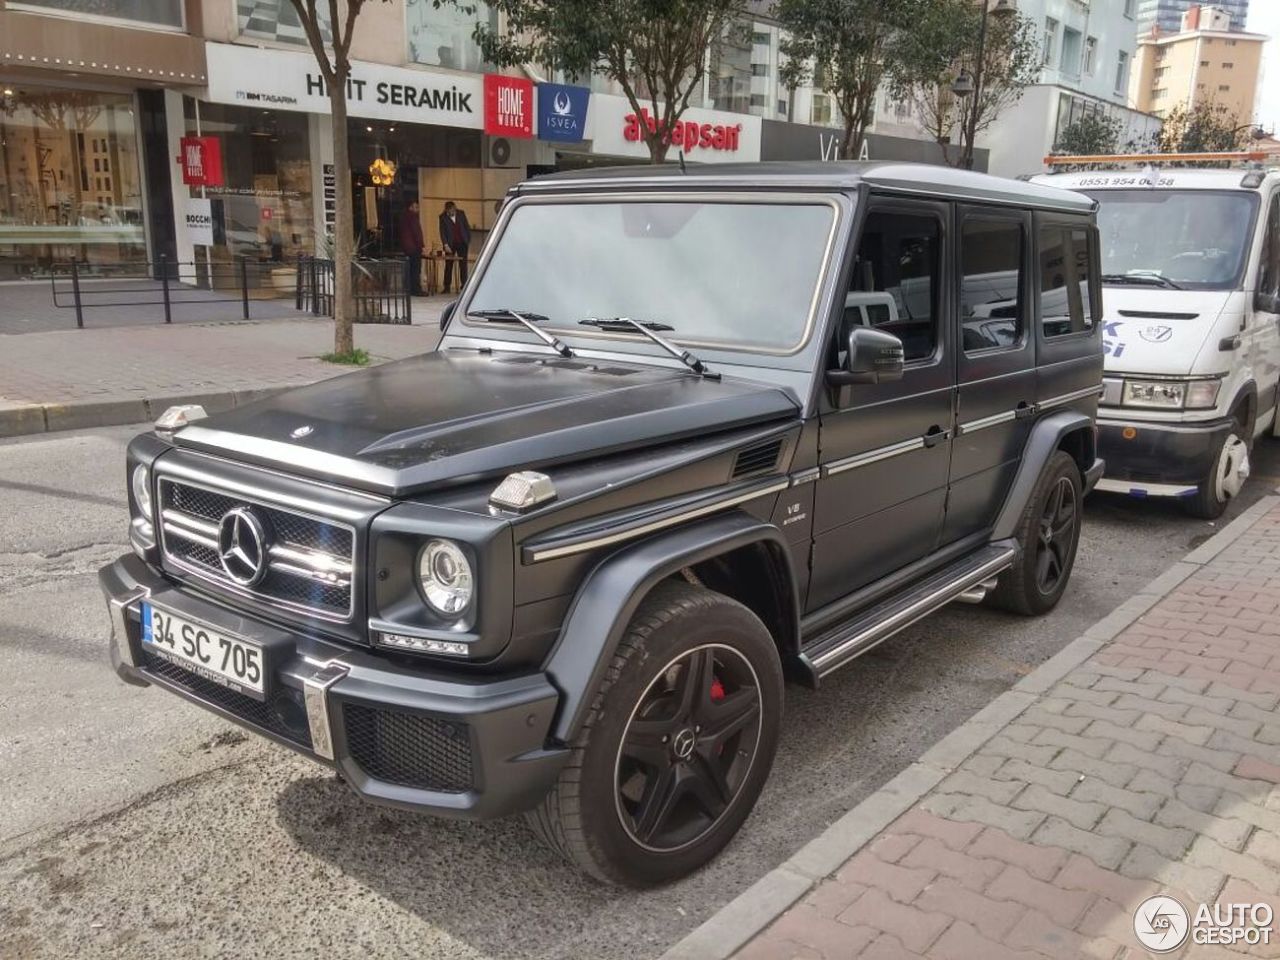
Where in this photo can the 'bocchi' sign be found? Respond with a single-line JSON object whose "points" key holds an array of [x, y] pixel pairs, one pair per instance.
{"points": [[685, 134]]}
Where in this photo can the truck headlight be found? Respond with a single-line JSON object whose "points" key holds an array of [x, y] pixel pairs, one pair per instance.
{"points": [[1171, 394], [141, 483], [444, 573]]}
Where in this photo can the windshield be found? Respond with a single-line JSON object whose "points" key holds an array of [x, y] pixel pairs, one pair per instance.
{"points": [[741, 275], [1195, 238]]}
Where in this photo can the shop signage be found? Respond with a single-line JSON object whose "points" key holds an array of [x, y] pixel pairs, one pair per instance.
{"points": [[508, 106], [201, 161], [562, 112], [198, 219], [781, 140], [290, 80], [705, 136]]}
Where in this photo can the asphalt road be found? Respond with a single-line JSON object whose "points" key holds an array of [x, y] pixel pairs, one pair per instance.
{"points": [[132, 824]]}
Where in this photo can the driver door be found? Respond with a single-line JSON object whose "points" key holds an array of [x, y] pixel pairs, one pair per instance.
{"points": [[885, 448]]}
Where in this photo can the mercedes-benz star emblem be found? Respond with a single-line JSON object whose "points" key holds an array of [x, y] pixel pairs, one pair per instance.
{"points": [[682, 744], [242, 546]]}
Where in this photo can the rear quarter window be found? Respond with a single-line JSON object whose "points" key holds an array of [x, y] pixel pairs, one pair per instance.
{"points": [[1067, 280]]}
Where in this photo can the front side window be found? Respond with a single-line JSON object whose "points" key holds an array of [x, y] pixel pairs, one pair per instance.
{"points": [[900, 254], [991, 308], [1065, 304], [1193, 239], [726, 274], [1269, 270]]}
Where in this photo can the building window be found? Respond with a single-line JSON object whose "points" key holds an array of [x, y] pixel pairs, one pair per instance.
{"points": [[277, 21], [821, 111], [1050, 40], [1228, 65], [1122, 72], [759, 69], [1224, 87], [782, 108], [1090, 55], [1159, 93], [1204, 63], [1161, 73], [757, 99], [1231, 43], [443, 37], [160, 13], [52, 208], [1071, 51], [759, 38]]}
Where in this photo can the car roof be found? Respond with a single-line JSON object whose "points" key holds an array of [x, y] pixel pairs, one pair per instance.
{"points": [[1167, 178], [919, 179]]}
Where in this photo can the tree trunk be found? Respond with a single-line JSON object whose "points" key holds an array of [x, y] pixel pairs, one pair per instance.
{"points": [[343, 223]]}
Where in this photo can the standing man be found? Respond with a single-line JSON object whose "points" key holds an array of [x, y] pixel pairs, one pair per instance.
{"points": [[455, 234], [411, 244]]}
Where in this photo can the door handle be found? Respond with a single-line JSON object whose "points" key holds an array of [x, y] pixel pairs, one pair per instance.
{"points": [[1024, 410], [934, 437]]}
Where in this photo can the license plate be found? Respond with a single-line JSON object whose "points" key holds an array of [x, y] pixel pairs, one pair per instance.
{"points": [[205, 651]]}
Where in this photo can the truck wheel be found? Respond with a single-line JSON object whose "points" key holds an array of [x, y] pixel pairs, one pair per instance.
{"points": [[677, 744], [1226, 477], [1049, 532]]}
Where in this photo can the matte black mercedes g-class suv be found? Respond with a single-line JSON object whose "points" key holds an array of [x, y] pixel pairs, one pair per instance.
{"points": [[686, 433]]}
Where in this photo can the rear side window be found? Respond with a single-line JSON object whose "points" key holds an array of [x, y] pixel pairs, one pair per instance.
{"points": [[991, 308], [900, 255], [1066, 267]]}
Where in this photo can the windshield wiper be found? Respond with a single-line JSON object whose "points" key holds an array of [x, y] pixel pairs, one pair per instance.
{"points": [[647, 328], [1144, 279], [529, 321]]}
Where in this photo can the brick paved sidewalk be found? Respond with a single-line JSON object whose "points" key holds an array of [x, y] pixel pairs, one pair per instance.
{"points": [[1150, 768], [79, 378]]}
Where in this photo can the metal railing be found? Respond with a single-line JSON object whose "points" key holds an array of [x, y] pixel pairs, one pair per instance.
{"points": [[380, 287], [171, 285]]}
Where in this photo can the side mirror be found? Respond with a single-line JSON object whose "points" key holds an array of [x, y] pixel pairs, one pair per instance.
{"points": [[1266, 302], [446, 314], [874, 357]]}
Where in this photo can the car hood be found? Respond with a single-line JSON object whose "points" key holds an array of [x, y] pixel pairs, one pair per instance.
{"points": [[453, 415], [1155, 331]]}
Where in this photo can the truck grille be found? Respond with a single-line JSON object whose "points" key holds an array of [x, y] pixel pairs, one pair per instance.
{"points": [[308, 563]]}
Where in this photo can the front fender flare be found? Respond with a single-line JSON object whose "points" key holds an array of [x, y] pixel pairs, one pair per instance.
{"points": [[1046, 437], [610, 594]]}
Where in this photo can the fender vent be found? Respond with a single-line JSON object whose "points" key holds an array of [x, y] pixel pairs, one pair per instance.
{"points": [[757, 459]]}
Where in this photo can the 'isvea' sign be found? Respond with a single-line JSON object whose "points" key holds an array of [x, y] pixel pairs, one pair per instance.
{"points": [[562, 112], [289, 80]]}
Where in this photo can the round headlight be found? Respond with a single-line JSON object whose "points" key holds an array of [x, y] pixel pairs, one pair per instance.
{"points": [[142, 489], [445, 575]]}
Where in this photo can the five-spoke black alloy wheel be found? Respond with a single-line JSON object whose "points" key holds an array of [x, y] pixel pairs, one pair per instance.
{"points": [[1056, 543], [677, 744], [688, 747]]}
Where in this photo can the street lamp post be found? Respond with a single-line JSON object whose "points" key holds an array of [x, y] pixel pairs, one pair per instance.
{"points": [[966, 86]]}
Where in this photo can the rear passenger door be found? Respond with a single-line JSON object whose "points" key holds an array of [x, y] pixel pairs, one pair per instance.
{"points": [[885, 447], [996, 370], [1069, 312]]}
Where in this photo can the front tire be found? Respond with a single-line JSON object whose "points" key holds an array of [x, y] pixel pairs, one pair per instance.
{"points": [[677, 745], [1049, 534], [1227, 476]]}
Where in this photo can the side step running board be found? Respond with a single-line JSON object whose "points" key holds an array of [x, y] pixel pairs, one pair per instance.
{"points": [[833, 649]]}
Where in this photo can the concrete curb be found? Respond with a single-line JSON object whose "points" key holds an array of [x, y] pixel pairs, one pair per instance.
{"points": [[32, 419], [734, 924]]}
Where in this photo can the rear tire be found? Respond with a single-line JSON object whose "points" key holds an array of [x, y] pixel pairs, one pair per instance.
{"points": [[1049, 534], [1227, 475], [677, 744]]}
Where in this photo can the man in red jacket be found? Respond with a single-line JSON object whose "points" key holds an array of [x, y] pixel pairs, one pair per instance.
{"points": [[411, 245]]}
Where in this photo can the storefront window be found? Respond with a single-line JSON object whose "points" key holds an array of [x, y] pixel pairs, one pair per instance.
{"points": [[163, 13], [264, 210], [443, 37], [277, 20], [69, 183]]}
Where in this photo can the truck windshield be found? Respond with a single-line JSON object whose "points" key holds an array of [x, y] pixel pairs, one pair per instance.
{"points": [[734, 275], [1195, 238]]}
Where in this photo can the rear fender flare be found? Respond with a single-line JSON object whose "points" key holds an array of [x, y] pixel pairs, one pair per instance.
{"points": [[1046, 437], [609, 596]]}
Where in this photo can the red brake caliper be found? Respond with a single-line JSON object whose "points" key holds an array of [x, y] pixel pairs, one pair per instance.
{"points": [[717, 694]]}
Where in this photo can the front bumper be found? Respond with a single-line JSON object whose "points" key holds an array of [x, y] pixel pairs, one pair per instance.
{"points": [[1158, 459], [399, 735]]}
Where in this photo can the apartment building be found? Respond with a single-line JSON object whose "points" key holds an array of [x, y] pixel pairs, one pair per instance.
{"points": [[1206, 61], [1166, 15]]}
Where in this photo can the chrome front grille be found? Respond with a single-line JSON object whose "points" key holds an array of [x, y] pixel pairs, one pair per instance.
{"points": [[309, 564]]}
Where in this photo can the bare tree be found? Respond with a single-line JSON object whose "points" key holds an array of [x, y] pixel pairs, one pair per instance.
{"points": [[335, 68]]}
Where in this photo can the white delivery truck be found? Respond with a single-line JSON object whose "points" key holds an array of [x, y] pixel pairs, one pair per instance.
{"points": [[1191, 307]]}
